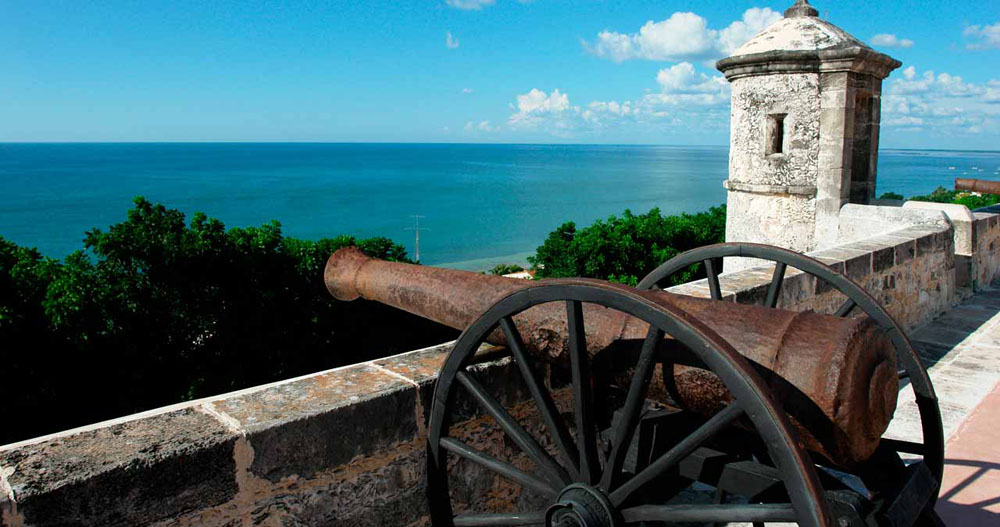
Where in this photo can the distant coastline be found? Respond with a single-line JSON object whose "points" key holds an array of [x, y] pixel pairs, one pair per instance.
{"points": [[483, 264]]}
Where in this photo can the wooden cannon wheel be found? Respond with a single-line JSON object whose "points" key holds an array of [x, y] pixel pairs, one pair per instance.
{"points": [[911, 368], [579, 479]]}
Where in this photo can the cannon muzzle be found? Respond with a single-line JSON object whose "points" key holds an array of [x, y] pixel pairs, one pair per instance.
{"points": [[836, 377]]}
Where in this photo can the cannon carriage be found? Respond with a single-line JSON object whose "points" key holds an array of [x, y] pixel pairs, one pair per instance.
{"points": [[638, 395]]}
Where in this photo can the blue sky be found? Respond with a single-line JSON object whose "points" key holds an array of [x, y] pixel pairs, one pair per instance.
{"points": [[456, 70]]}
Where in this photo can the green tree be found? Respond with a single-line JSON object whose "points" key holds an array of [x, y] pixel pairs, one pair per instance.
{"points": [[960, 197], [624, 249], [155, 310], [502, 269]]}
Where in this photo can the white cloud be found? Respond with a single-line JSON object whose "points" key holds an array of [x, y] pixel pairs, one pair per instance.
{"points": [[683, 36], [689, 100], [754, 21], [450, 41], [941, 84], [476, 5], [903, 121], [889, 40], [536, 108], [536, 101], [481, 126], [941, 103], [685, 94], [983, 37], [467, 91], [682, 78], [612, 108], [992, 91], [470, 5]]}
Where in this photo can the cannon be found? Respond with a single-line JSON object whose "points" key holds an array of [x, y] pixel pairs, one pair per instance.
{"points": [[641, 393], [977, 185]]}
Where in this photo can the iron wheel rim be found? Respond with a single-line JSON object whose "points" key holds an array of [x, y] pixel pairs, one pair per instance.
{"points": [[932, 430], [751, 400]]}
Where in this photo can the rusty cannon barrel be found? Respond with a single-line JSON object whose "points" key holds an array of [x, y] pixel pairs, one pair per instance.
{"points": [[836, 377], [977, 185]]}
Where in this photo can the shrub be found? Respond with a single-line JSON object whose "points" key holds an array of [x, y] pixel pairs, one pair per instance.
{"points": [[624, 249], [502, 269], [157, 311], [960, 197]]}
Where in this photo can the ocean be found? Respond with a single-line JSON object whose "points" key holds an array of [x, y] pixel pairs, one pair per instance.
{"points": [[480, 204]]}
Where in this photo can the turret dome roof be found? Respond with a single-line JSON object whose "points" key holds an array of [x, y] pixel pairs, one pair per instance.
{"points": [[799, 33]]}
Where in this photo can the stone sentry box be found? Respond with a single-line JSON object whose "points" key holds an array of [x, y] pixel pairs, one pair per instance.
{"points": [[806, 100]]}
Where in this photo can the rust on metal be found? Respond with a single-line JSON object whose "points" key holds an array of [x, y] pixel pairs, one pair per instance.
{"points": [[834, 376], [977, 185]]}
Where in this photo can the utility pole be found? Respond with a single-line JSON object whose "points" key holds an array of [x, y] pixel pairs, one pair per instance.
{"points": [[416, 232]]}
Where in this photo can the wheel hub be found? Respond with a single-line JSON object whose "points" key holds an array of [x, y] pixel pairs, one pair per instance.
{"points": [[580, 506]]}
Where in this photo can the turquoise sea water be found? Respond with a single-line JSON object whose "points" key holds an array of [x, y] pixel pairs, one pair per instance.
{"points": [[483, 204]]}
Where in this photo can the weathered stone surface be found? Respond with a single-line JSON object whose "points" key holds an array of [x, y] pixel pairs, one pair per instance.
{"points": [[883, 253], [961, 220], [860, 222], [820, 88], [905, 250], [751, 285], [132, 473], [786, 221], [935, 242], [419, 366], [323, 421], [799, 34], [985, 269], [756, 98]]}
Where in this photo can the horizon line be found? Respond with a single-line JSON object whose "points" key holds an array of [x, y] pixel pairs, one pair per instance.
{"points": [[442, 143]]}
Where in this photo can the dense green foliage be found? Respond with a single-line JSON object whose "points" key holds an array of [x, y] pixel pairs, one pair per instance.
{"points": [[960, 197], [891, 195], [502, 269], [624, 249], [156, 311]]}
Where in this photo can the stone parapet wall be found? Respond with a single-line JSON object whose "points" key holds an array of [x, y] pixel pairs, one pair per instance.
{"points": [[911, 271], [346, 446], [984, 260], [341, 447]]}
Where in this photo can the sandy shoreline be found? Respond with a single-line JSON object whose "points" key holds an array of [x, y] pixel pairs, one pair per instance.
{"points": [[485, 264]]}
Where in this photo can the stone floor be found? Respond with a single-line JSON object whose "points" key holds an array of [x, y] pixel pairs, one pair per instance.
{"points": [[967, 379], [970, 493], [962, 352]]}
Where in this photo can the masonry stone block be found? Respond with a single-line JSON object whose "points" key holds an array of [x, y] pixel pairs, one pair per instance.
{"points": [[130, 473], [318, 422]]}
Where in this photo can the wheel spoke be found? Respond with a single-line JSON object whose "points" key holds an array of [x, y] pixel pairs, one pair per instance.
{"points": [[586, 437], [504, 469], [845, 308], [775, 288], [512, 518], [512, 428], [677, 453], [777, 512], [908, 447], [713, 279], [554, 423], [625, 428]]}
